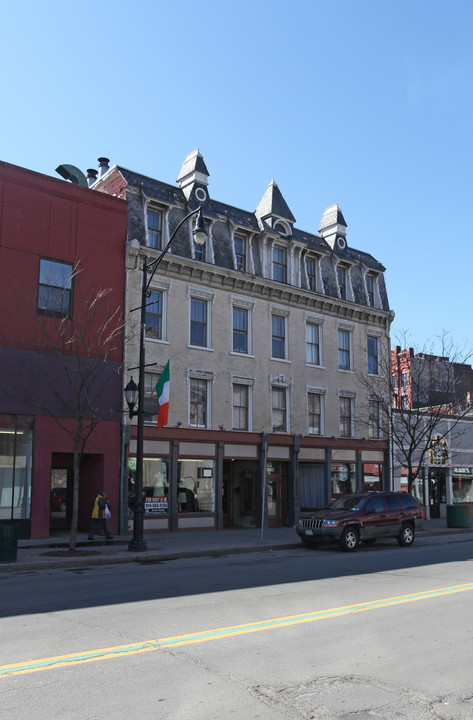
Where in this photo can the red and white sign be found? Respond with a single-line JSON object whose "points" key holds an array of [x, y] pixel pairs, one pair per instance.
{"points": [[156, 505]]}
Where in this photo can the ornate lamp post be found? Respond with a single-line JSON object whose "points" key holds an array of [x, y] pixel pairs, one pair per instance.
{"points": [[134, 393]]}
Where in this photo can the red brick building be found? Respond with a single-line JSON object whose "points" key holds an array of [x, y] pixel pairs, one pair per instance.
{"points": [[60, 244]]}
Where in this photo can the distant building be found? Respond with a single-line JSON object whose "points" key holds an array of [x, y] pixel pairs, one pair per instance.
{"points": [[46, 227], [266, 328]]}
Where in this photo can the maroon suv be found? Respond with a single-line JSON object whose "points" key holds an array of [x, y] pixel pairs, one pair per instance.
{"points": [[363, 517]]}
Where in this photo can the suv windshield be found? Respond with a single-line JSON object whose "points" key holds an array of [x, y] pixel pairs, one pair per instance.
{"points": [[347, 502]]}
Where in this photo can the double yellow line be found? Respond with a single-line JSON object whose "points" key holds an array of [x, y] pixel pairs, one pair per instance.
{"points": [[50, 663]]}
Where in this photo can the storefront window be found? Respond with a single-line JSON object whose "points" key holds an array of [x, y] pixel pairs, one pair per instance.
{"points": [[16, 447], [342, 479], [372, 477], [196, 486], [273, 470], [155, 485], [462, 485]]}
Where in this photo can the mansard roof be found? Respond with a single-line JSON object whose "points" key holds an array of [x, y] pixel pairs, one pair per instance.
{"points": [[271, 201]]}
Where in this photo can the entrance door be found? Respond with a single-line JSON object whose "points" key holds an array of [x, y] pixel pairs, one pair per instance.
{"points": [[60, 499], [437, 495]]}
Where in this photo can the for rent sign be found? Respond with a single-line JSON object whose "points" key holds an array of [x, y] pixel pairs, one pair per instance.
{"points": [[156, 505]]}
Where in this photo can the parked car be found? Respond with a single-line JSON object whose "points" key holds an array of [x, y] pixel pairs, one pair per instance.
{"points": [[363, 517]]}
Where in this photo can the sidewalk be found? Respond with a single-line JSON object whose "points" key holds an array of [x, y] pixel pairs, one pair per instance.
{"points": [[52, 553]]}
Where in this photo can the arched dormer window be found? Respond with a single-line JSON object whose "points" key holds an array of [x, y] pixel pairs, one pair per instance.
{"points": [[282, 228]]}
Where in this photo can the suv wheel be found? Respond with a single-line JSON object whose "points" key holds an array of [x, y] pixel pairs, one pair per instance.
{"points": [[349, 539], [406, 535]]}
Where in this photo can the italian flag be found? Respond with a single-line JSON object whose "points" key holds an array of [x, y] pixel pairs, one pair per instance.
{"points": [[162, 391]]}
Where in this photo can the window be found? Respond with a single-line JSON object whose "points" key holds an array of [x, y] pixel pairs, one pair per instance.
{"points": [[239, 243], [241, 406], [199, 251], [394, 382], [346, 417], [196, 486], [310, 266], [154, 315], [374, 419], [16, 451], [198, 403], [199, 322], [151, 407], [370, 289], [240, 330], [342, 281], [278, 333], [312, 344], [55, 288], [155, 224], [404, 379], [344, 350], [314, 401], [372, 348], [279, 264], [279, 402]]}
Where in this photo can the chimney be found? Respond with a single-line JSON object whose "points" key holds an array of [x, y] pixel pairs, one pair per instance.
{"points": [[103, 166], [91, 176]]}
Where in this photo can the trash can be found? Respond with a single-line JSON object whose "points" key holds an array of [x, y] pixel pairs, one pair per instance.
{"points": [[458, 516], [8, 542]]}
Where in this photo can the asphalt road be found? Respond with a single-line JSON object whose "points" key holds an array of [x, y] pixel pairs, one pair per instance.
{"points": [[381, 634]]}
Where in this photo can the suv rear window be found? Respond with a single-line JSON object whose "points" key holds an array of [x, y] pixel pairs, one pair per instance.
{"points": [[408, 501]]}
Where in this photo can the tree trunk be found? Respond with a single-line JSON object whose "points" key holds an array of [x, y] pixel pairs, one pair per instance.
{"points": [[75, 494]]}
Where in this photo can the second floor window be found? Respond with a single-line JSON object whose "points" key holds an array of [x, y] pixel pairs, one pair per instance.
{"points": [[198, 403], [312, 344], [240, 330], [279, 264], [199, 322], [155, 228], [344, 353], [372, 349], [374, 419], [346, 417], [154, 315], [279, 409], [315, 413], [278, 339], [55, 288], [239, 244], [241, 406], [404, 379]]}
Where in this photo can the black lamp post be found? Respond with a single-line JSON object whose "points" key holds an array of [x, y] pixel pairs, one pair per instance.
{"points": [[134, 393]]}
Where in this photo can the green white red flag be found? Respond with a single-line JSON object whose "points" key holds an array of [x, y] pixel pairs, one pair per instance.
{"points": [[162, 391]]}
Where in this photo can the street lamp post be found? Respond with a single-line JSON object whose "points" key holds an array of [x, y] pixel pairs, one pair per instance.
{"points": [[134, 394]]}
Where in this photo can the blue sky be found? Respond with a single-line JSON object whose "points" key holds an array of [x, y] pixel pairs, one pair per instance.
{"points": [[364, 103]]}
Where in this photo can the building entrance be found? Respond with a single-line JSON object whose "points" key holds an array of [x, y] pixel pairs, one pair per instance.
{"points": [[437, 491], [60, 499]]}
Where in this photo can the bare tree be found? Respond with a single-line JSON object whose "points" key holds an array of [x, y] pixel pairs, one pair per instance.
{"points": [[69, 372], [411, 399]]}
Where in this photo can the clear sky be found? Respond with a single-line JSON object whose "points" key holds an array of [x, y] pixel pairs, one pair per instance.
{"points": [[364, 103]]}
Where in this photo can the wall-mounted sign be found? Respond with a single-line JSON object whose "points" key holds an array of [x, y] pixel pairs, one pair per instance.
{"points": [[438, 451]]}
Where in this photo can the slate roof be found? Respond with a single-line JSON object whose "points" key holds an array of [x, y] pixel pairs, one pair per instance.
{"points": [[273, 203], [170, 195]]}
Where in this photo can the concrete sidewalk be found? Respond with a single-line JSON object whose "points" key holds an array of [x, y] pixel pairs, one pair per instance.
{"points": [[53, 553]]}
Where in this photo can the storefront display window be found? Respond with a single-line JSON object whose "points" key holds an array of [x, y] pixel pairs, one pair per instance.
{"points": [[372, 477], [155, 485], [342, 479], [462, 485], [196, 486], [16, 449]]}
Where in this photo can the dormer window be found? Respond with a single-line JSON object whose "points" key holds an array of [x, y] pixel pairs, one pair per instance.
{"points": [[370, 289], [239, 244], [311, 266], [279, 263], [154, 219], [342, 281]]}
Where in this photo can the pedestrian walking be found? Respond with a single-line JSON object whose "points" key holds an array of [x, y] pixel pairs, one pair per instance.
{"points": [[99, 516]]}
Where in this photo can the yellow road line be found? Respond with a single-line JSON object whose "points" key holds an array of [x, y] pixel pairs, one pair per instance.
{"points": [[32, 666]]}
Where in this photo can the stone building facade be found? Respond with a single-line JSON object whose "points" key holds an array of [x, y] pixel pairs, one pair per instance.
{"points": [[267, 328]]}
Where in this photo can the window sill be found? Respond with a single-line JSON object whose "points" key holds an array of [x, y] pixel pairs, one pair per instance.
{"points": [[238, 354], [200, 347], [281, 360]]}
